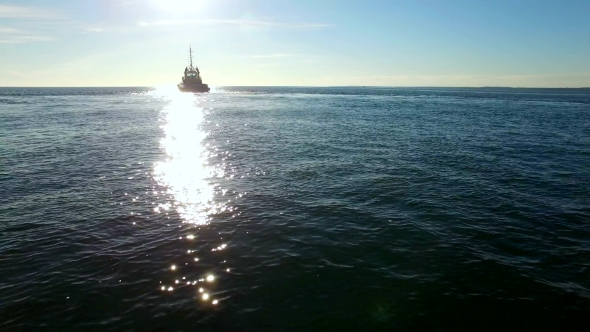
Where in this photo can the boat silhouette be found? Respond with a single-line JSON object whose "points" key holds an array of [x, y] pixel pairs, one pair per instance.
{"points": [[191, 81]]}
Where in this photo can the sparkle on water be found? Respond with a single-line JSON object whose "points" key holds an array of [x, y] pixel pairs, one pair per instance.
{"points": [[186, 172]]}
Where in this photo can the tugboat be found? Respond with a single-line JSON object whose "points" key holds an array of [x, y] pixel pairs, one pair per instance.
{"points": [[191, 81]]}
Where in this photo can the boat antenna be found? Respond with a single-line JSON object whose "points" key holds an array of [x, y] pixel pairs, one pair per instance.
{"points": [[190, 52]]}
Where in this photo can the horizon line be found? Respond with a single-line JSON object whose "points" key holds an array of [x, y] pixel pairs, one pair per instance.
{"points": [[302, 86], [305, 86]]}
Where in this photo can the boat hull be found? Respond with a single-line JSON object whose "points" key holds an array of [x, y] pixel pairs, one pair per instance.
{"points": [[194, 88]]}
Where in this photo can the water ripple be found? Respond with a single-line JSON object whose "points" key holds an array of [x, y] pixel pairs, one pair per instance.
{"points": [[294, 209]]}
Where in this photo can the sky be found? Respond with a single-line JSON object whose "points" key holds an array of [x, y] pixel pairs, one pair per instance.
{"points": [[460, 43]]}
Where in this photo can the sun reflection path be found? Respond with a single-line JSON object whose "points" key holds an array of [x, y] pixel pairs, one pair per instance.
{"points": [[188, 176], [185, 172]]}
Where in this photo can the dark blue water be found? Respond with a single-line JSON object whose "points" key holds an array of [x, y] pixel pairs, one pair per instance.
{"points": [[295, 209]]}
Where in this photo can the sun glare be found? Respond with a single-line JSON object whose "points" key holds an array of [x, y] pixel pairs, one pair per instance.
{"points": [[185, 170], [178, 6]]}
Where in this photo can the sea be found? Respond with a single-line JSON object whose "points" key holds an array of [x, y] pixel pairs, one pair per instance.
{"points": [[294, 209]]}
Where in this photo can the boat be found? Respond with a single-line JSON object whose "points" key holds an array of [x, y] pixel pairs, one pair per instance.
{"points": [[191, 81]]}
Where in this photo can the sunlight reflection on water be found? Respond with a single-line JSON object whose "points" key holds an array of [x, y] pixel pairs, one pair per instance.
{"points": [[188, 176], [186, 170]]}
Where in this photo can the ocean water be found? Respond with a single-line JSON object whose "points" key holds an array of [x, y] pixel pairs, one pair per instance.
{"points": [[294, 209]]}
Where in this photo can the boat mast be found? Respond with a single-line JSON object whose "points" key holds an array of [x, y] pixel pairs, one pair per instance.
{"points": [[190, 52]]}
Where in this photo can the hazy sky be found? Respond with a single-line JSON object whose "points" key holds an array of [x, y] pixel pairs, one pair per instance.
{"points": [[533, 43]]}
